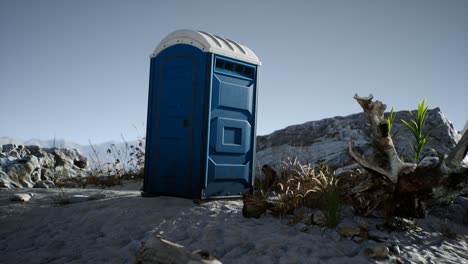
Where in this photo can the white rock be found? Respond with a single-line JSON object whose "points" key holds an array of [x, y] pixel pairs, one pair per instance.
{"points": [[20, 197], [157, 250]]}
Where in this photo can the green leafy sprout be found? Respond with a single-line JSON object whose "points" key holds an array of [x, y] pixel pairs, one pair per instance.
{"points": [[390, 119], [416, 125]]}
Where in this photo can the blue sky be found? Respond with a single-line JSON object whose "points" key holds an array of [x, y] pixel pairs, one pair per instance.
{"points": [[79, 69]]}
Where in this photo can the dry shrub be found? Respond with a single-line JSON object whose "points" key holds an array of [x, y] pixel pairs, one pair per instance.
{"points": [[301, 185]]}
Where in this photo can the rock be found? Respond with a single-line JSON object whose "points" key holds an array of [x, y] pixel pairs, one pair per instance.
{"points": [[348, 228], [44, 184], [429, 161], [47, 174], [24, 172], [332, 234], [25, 166], [253, 207], [465, 218], [398, 224], [347, 211], [358, 239], [20, 197], [362, 222], [376, 251], [463, 201], [71, 157], [326, 140], [159, 251], [318, 218], [378, 235], [395, 248], [455, 213], [8, 147]]}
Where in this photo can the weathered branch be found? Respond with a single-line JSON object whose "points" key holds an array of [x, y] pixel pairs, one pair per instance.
{"points": [[368, 165], [384, 150], [403, 189], [458, 153]]}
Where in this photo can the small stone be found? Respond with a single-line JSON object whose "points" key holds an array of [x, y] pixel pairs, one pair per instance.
{"points": [[253, 207], [378, 235], [358, 239], [78, 198], [362, 222], [157, 250], [395, 248], [348, 228], [376, 251], [20, 197], [318, 218]]}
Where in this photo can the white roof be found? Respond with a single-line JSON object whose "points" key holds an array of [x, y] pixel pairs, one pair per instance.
{"points": [[207, 43]]}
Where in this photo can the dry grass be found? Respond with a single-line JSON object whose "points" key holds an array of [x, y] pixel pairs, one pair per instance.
{"points": [[125, 163], [301, 185]]}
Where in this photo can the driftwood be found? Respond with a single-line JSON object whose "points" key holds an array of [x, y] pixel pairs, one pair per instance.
{"points": [[396, 187]]}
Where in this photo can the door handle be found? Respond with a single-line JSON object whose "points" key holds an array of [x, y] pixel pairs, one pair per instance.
{"points": [[186, 122]]}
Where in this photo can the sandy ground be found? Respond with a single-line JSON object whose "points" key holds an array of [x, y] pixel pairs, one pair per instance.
{"points": [[112, 228]]}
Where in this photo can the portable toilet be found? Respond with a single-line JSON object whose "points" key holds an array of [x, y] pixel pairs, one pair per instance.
{"points": [[201, 127]]}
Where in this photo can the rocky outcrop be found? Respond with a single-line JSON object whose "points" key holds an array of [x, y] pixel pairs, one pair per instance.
{"points": [[31, 166], [326, 141]]}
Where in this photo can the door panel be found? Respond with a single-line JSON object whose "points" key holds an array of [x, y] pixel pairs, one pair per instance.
{"points": [[231, 129], [174, 118]]}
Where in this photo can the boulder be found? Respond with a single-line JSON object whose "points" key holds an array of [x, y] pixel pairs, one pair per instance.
{"points": [[159, 251], [24, 172], [326, 141], [22, 166], [68, 158]]}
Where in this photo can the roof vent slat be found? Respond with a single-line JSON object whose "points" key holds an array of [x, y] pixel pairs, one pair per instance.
{"points": [[238, 46], [215, 40]]}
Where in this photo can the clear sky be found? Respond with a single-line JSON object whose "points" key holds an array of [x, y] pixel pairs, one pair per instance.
{"points": [[79, 69]]}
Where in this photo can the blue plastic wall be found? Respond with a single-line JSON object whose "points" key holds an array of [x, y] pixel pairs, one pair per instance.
{"points": [[200, 136]]}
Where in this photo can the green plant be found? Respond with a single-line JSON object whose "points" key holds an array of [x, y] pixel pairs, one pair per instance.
{"points": [[416, 125], [390, 119], [330, 202]]}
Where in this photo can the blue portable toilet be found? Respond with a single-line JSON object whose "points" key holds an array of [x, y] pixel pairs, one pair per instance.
{"points": [[201, 126]]}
